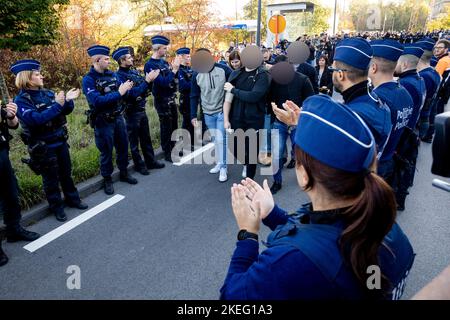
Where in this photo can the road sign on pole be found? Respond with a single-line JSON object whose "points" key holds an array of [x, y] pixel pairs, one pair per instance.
{"points": [[277, 24]]}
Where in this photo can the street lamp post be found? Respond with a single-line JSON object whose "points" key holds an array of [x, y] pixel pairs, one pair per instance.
{"points": [[258, 26]]}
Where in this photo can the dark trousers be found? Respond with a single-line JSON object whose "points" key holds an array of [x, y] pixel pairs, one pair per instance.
{"points": [[185, 110], [59, 171], [386, 170], [139, 134], [9, 192], [404, 172], [168, 122], [109, 135], [250, 160]]}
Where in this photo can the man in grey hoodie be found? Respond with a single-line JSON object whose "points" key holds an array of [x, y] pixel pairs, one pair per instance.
{"points": [[207, 88]]}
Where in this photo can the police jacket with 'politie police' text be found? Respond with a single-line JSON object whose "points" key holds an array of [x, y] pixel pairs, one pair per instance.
{"points": [[303, 261]]}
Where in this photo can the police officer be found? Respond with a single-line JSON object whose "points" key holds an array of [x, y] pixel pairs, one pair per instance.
{"points": [[42, 114], [381, 73], [164, 92], [406, 70], [104, 95], [432, 80], [9, 191], [350, 70], [324, 250], [184, 86], [135, 115]]}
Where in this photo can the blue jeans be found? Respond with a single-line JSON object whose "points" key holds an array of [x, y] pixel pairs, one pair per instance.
{"points": [[266, 145], [280, 133], [214, 122]]}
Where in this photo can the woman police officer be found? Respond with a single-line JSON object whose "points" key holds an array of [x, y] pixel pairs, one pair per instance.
{"points": [[42, 115], [332, 247]]}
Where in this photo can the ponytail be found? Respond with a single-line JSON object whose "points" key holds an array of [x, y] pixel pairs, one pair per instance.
{"points": [[367, 221]]}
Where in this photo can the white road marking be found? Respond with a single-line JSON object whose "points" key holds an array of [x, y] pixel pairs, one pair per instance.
{"points": [[66, 227], [194, 154]]}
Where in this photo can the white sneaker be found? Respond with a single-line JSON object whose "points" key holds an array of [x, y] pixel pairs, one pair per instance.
{"points": [[244, 172], [216, 169], [223, 176]]}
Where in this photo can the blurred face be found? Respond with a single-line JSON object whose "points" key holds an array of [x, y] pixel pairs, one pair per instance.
{"points": [[266, 55], [236, 64], [227, 55], [127, 61], [278, 51], [37, 79], [185, 59]]}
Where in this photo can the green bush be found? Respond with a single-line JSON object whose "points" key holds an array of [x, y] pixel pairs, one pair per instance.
{"points": [[83, 152]]}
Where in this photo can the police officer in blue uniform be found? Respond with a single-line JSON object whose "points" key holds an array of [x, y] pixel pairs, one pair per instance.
{"points": [[105, 96], [9, 190], [184, 87], [135, 115], [408, 147], [381, 73], [164, 92], [42, 115], [350, 70], [324, 250], [432, 80]]}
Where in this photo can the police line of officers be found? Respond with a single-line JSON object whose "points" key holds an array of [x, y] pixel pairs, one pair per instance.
{"points": [[391, 112]]}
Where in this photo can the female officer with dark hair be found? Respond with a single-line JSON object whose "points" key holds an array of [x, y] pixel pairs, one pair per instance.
{"points": [[345, 244]]}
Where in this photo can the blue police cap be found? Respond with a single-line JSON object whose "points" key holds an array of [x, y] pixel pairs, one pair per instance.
{"points": [[25, 65], [387, 48], [426, 44], [183, 51], [120, 52], [334, 135], [413, 50], [433, 61], [98, 49], [355, 52], [160, 40]]}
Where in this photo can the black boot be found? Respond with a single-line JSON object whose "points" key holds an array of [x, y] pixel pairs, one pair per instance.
{"points": [[3, 257], [143, 171], [18, 233], [78, 205], [291, 164], [275, 187], [60, 215], [156, 165], [126, 177], [109, 188], [168, 158]]}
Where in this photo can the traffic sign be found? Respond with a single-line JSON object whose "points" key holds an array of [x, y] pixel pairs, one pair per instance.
{"points": [[277, 24]]}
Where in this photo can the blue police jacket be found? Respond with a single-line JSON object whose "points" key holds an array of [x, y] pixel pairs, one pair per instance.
{"points": [[432, 80], [164, 85], [184, 80], [101, 91], [401, 105], [41, 117], [416, 88], [137, 96], [372, 110], [304, 261]]}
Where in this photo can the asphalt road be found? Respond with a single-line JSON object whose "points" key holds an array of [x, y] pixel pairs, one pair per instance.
{"points": [[173, 234]]}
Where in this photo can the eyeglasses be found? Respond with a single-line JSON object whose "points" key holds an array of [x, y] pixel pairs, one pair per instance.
{"points": [[439, 48], [335, 69]]}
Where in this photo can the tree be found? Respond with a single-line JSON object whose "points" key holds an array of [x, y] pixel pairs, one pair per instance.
{"points": [[26, 23], [441, 23]]}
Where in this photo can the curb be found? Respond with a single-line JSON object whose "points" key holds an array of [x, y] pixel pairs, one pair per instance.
{"points": [[85, 188]]}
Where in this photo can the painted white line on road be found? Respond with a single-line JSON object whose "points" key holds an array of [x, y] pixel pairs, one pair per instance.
{"points": [[194, 154], [66, 227]]}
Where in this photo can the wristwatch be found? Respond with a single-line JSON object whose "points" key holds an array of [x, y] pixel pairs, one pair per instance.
{"points": [[244, 234]]}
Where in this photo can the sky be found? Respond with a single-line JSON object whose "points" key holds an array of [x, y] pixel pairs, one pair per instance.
{"points": [[227, 8]]}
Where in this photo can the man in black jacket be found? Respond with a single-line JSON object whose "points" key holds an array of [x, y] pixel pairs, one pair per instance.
{"points": [[296, 91], [309, 71], [247, 89]]}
